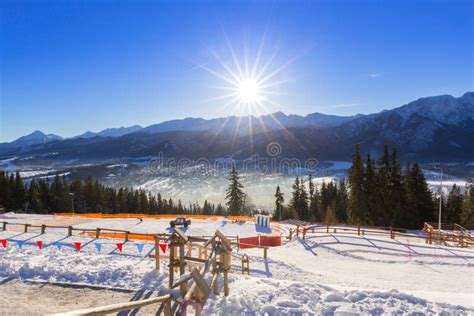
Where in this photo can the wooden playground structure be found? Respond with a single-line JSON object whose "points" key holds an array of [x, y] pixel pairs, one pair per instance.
{"points": [[195, 265]]}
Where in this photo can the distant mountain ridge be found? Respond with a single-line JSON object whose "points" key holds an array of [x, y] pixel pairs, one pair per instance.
{"points": [[428, 129], [111, 132], [35, 138]]}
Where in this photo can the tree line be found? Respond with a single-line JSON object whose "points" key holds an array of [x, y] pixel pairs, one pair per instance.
{"points": [[59, 195], [377, 192]]}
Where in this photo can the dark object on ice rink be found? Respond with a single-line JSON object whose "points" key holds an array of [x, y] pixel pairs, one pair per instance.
{"points": [[180, 221]]}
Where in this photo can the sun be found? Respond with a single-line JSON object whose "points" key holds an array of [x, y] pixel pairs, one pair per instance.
{"points": [[250, 92], [250, 85]]}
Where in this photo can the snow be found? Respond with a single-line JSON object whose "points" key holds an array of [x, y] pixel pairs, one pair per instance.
{"points": [[331, 273]]}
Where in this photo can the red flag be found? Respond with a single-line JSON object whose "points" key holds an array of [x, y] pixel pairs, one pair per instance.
{"points": [[119, 246], [40, 244], [163, 247], [4, 243], [78, 246]]}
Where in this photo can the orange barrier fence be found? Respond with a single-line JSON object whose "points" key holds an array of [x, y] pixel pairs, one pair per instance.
{"points": [[259, 241], [158, 216], [131, 236]]}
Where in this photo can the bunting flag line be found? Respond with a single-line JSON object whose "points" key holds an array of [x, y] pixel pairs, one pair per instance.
{"points": [[4, 243], [58, 244], [98, 246], [77, 245], [119, 247], [140, 248], [19, 243], [163, 247], [40, 244]]}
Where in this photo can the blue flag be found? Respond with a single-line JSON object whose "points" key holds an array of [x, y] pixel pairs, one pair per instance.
{"points": [[58, 244], [140, 248], [98, 246], [20, 243]]}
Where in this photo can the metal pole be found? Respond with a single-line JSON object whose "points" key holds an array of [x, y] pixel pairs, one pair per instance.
{"points": [[440, 204], [440, 200], [72, 201]]}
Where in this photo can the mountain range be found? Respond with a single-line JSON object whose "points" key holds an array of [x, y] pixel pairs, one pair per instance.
{"points": [[439, 128]]}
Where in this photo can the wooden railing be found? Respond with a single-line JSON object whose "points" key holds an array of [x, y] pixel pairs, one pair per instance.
{"points": [[458, 238]]}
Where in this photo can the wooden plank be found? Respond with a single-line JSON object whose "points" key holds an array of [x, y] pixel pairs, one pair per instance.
{"points": [[115, 308]]}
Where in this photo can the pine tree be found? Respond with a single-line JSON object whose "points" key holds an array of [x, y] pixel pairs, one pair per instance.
{"points": [[234, 195], [19, 192], [454, 205], [467, 215], [33, 197], [356, 184], [418, 200], [279, 200], [372, 214], [303, 202], [340, 205], [397, 193], [295, 196], [384, 171]]}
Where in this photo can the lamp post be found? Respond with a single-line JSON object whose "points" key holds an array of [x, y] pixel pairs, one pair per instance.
{"points": [[72, 201], [440, 201]]}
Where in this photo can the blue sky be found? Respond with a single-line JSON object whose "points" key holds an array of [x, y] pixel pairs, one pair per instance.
{"points": [[71, 66]]}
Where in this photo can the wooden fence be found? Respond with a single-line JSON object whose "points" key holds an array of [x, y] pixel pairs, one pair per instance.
{"points": [[458, 238]]}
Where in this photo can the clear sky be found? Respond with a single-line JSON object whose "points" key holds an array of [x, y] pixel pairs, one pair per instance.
{"points": [[72, 66]]}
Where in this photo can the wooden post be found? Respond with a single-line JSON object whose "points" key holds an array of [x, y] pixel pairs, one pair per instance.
{"points": [[97, 232], [304, 233], [291, 234], [171, 265], [126, 236], [265, 252], [43, 229], [245, 264], [189, 254], [167, 308], [358, 229], [182, 287], [363, 232], [391, 233], [157, 254], [4, 226], [215, 284], [297, 230], [69, 231], [26, 228], [226, 279], [327, 227]]}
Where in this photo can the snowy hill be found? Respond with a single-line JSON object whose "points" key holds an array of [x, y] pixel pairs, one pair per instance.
{"points": [[328, 273]]}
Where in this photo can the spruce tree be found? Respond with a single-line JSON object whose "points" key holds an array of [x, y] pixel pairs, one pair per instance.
{"points": [[340, 205], [396, 189], [234, 195], [467, 215], [384, 209], [356, 184], [279, 200], [454, 205]]}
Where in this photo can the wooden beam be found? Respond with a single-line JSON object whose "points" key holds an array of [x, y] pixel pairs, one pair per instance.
{"points": [[115, 308]]}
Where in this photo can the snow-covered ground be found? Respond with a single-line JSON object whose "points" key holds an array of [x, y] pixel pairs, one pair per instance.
{"points": [[331, 274]]}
